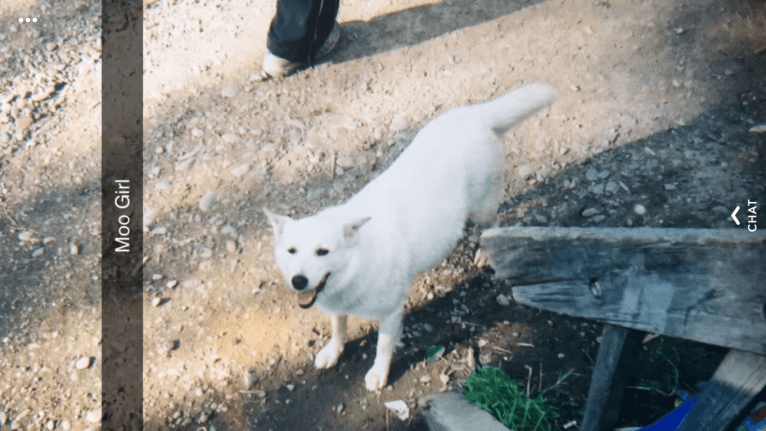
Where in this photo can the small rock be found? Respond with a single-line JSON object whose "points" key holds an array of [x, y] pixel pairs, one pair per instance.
{"points": [[24, 121], [398, 123], [503, 300], [150, 215], [598, 219], [399, 408], [25, 235], [240, 170], [444, 378], [171, 284], [203, 417], [482, 342], [197, 132], [38, 252], [82, 363], [157, 277], [3, 418], [524, 170], [207, 201], [48, 240], [229, 230], [229, 91], [345, 162], [612, 187], [93, 416], [290, 387], [561, 356], [156, 301], [604, 174], [51, 46], [231, 246], [670, 186], [230, 138], [166, 347], [639, 209], [65, 425], [249, 379], [598, 189], [761, 128], [591, 174], [590, 212]]}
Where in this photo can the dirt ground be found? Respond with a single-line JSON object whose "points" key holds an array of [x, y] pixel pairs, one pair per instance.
{"points": [[655, 126]]}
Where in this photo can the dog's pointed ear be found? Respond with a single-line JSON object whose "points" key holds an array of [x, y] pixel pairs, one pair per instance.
{"points": [[351, 228], [278, 222]]}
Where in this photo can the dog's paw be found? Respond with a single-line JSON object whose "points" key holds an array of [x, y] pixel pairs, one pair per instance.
{"points": [[375, 379], [328, 356]]}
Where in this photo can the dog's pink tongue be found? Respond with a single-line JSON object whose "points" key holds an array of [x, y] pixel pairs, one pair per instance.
{"points": [[306, 298]]}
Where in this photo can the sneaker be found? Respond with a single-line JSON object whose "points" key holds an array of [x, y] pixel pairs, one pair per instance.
{"points": [[274, 66]]}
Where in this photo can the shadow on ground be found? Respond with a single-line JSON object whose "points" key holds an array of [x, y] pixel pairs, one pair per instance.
{"points": [[415, 25]]}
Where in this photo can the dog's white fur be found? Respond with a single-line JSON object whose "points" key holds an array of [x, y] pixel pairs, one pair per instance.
{"points": [[404, 222]]}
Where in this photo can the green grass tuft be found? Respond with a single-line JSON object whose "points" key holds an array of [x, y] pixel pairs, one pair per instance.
{"points": [[495, 392]]}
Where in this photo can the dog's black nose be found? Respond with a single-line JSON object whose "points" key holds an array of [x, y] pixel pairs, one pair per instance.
{"points": [[299, 282]]}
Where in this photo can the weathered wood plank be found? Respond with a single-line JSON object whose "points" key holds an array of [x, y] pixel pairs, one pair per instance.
{"points": [[699, 284], [739, 378], [452, 412], [615, 361]]}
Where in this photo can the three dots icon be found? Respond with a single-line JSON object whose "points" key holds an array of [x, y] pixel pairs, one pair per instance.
{"points": [[27, 19]]}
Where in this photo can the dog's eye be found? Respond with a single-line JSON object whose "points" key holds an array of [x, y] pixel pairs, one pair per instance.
{"points": [[322, 251], [291, 250]]}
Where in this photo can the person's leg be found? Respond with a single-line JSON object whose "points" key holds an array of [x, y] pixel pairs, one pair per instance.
{"points": [[299, 31]]}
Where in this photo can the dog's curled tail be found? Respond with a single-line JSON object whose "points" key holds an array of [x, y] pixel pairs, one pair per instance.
{"points": [[510, 109]]}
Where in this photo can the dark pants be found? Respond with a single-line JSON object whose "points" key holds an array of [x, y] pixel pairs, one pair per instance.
{"points": [[300, 27]]}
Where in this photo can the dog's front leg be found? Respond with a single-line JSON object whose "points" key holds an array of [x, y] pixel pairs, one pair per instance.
{"points": [[329, 355], [390, 330]]}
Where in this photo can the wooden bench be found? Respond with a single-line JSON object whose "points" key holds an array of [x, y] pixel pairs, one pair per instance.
{"points": [[698, 284]]}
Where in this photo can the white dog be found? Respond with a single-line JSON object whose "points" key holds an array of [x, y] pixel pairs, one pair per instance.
{"points": [[360, 257]]}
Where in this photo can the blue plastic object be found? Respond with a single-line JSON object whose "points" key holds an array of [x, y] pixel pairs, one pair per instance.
{"points": [[674, 419]]}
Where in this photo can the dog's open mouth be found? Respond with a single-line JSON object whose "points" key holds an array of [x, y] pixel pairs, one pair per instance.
{"points": [[307, 298]]}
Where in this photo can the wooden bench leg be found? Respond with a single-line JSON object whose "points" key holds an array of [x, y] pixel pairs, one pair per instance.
{"points": [[614, 366], [739, 378]]}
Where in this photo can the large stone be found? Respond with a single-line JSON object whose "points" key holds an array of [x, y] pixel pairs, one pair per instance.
{"points": [[452, 412]]}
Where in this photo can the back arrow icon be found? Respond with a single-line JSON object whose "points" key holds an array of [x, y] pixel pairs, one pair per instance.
{"points": [[734, 214]]}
